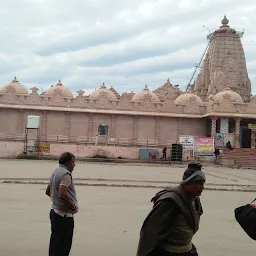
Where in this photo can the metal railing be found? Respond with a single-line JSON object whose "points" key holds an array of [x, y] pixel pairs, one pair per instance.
{"points": [[87, 140]]}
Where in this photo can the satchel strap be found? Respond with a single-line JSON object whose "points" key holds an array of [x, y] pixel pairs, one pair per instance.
{"points": [[253, 200]]}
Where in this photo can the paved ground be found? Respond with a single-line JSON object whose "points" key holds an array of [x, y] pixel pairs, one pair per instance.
{"points": [[110, 217]]}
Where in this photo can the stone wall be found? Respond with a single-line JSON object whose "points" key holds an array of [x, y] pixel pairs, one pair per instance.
{"points": [[74, 124], [13, 149], [10, 149]]}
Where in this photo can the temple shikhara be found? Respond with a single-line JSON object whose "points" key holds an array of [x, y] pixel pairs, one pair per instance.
{"points": [[218, 102]]}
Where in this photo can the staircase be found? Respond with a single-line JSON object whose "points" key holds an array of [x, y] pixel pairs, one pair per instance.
{"points": [[242, 157]]}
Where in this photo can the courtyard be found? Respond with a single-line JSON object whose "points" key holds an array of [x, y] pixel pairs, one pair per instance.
{"points": [[114, 200]]}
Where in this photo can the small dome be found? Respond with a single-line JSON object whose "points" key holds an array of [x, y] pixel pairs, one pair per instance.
{"points": [[16, 87], [103, 91], [59, 88], [144, 94], [187, 97], [227, 93]]}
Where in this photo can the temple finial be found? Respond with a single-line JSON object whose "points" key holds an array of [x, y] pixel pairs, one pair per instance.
{"points": [[15, 80], [225, 21], [103, 86], [59, 83]]}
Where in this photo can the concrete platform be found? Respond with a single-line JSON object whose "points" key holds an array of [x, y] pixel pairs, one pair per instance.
{"points": [[110, 218]]}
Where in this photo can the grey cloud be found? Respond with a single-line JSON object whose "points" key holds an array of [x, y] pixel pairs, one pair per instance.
{"points": [[114, 30], [86, 42]]}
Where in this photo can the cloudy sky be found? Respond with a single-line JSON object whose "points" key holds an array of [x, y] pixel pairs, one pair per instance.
{"points": [[125, 44]]}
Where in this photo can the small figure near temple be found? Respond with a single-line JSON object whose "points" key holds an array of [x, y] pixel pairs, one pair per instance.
{"points": [[164, 153], [216, 153], [228, 145]]}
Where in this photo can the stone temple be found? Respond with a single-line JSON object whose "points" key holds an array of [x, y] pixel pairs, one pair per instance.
{"points": [[219, 100]]}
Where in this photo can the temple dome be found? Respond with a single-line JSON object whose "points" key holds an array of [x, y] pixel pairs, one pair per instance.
{"points": [[227, 93], [16, 87], [103, 91], [186, 97], [140, 96], [59, 89]]}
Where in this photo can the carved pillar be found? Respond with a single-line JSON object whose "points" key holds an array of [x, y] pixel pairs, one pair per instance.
{"points": [[179, 128], [20, 124], [252, 138], [67, 124], [237, 132], [213, 126], [43, 130], [90, 125], [157, 128], [113, 127], [135, 129]]}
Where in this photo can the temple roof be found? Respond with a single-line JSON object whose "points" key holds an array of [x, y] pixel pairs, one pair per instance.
{"points": [[16, 87], [103, 91], [59, 88], [140, 96]]}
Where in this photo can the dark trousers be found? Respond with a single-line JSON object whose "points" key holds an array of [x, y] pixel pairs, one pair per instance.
{"points": [[160, 252], [62, 234], [164, 156]]}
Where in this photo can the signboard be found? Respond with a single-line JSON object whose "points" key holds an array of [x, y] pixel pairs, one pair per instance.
{"points": [[203, 146], [219, 140], [229, 137], [44, 147], [187, 142], [251, 126], [33, 122]]}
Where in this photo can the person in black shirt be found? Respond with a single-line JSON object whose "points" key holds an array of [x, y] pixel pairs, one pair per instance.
{"points": [[216, 153]]}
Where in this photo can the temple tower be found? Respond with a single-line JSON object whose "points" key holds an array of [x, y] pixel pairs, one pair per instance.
{"points": [[224, 65]]}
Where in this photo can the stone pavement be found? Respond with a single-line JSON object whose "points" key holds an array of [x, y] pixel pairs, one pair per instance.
{"points": [[127, 175], [110, 217]]}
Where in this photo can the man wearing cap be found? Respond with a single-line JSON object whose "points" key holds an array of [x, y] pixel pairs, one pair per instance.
{"points": [[170, 226]]}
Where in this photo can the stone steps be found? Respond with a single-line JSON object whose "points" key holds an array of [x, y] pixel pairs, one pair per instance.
{"points": [[243, 157]]}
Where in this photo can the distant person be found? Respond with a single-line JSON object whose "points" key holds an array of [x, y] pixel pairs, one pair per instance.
{"points": [[228, 145], [164, 153], [216, 153], [64, 205], [170, 226]]}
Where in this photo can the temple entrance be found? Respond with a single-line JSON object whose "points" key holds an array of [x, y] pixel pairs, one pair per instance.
{"points": [[245, 137], [246, 133], [208, 125]]}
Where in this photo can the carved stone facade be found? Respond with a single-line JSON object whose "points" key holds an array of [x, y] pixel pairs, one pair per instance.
{"points": [[222, 89], [224, 65]]}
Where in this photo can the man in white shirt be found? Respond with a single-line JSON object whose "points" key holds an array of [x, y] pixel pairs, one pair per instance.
{"points": [[62, 192]]}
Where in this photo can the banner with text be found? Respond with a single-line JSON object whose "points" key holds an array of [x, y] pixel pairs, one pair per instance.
{"points": [[187, 142], [219, 140], [203, 146], [229, 137]]}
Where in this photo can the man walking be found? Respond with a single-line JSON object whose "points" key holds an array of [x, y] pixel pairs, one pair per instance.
{"points": [[170, 226], [62, 192], [216, 153], [164, 153]]}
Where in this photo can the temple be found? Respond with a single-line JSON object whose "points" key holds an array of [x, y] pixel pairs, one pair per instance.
{"points": [[219, 101]]}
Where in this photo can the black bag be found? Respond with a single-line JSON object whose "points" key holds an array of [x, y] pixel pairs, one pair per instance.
{"points": [[246, 216]]}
